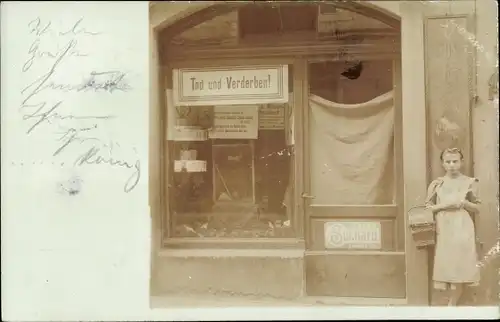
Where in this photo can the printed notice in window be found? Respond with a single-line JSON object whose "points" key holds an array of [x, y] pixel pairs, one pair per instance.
{"points": [[235, 122]]}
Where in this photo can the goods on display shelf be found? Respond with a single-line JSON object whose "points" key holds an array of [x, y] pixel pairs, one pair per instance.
{"points": [[189, 133], [190, 166]]}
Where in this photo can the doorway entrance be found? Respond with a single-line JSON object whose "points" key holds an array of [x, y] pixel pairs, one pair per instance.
{"points": [[352, 192]]}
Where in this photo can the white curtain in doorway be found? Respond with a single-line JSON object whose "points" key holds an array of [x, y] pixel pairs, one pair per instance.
{"points": [[352, 151]]}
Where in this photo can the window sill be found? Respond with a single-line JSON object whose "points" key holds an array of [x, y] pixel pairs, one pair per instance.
{"points": [[218, 253], [172, 244]]}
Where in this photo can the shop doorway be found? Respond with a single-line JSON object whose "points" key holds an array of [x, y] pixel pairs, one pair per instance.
{"points": [[352, 186]]}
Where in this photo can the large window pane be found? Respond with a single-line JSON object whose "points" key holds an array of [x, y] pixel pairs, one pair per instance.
{"points": [[235, 179]]}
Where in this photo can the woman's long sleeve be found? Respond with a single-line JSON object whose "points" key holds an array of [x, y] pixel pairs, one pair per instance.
{"points": [[473, 192]]}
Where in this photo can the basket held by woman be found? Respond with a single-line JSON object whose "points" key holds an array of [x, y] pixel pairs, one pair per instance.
{"points": [[422, 226]]}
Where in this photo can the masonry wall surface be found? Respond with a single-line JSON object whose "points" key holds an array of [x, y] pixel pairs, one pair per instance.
{"points": [[234, 276]]}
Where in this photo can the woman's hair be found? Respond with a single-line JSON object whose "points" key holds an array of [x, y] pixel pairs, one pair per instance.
{"points": [[452, 151]]}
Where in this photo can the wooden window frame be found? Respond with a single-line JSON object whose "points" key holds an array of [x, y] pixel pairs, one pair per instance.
{"points": [[214, 243], [298, 54], [301, 164]]}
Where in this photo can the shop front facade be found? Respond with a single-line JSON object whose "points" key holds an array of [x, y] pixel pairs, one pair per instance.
{"points": [[289, 141]]}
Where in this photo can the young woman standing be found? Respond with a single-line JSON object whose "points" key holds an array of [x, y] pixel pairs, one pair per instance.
{"points": [[453, 198]]}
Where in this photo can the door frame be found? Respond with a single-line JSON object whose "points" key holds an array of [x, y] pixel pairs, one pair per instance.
{"points": [[385, 211], [414, 143], [388, 215]]}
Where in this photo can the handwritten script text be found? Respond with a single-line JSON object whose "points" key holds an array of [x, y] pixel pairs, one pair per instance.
{"points": [[52, 54]]}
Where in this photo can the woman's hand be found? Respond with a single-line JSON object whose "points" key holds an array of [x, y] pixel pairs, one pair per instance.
{"points": [[447, 206], [455, 205]]}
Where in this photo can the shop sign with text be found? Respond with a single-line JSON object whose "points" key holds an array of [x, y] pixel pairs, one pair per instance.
{"points": [[230, 85], [235, 122], [272, 117], [353, 235]]}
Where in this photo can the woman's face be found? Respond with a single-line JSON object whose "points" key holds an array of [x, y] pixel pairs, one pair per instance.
{"points": [[452, 162]]}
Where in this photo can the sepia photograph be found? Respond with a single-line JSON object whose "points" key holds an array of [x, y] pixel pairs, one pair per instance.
{"points": [[249, 160], [325, 153]]}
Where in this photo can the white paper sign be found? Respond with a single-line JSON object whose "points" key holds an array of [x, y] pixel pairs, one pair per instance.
{"points": [[353, 235], [230, 85], [235, 122]]}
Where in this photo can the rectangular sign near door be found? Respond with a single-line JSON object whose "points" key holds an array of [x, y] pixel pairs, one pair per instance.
{"points": [[353, 235]]}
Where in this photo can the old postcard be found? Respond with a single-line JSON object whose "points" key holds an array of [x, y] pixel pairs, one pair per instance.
{"points": [[250, 160]]}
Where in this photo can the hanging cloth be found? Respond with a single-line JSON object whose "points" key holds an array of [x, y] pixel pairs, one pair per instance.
{"points": [[352, 151]]}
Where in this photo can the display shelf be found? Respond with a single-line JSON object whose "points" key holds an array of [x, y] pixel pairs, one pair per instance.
{"points": [[184, 133], [190, 166]]}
